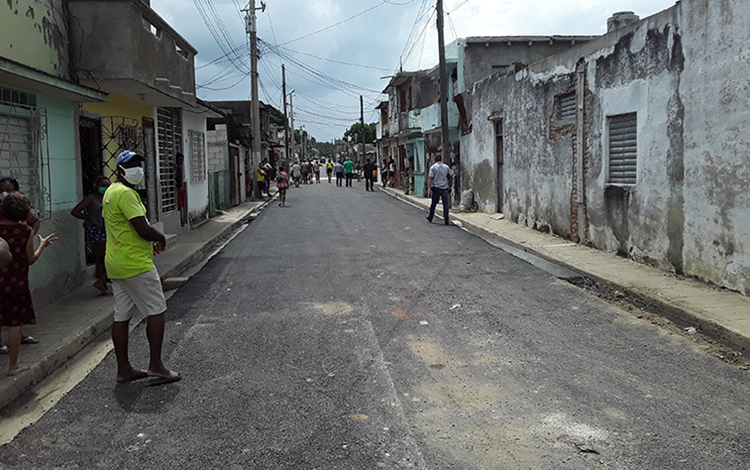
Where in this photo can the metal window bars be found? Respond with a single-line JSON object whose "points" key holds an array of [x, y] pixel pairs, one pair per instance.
{"points": [[24, 153]]}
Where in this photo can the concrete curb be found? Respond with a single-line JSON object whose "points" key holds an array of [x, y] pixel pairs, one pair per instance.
{"points": [[681, 314], [73, 344]]}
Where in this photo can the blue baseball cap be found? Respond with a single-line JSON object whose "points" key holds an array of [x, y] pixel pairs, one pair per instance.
{"points": [[128, 155]]}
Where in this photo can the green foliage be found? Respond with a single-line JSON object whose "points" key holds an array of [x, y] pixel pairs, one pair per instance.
{"points": [[353, 134], [276, 117], [325, 148]]}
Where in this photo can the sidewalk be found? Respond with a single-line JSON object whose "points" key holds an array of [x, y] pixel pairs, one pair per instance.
{"points": [[66, 327], [719, 313]]}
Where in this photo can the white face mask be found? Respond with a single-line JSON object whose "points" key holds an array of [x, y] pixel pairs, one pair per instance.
{"points": [[3, 195], [134, 175]]}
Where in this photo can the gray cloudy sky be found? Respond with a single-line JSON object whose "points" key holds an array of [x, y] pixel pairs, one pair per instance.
{"points": [[361, 41]]}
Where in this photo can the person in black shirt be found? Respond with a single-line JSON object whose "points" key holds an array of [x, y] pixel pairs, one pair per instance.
{"points": [[179, 184]]}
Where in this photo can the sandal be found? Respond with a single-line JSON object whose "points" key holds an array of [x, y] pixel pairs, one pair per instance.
{"points": [[29, 340], [4, 349]]}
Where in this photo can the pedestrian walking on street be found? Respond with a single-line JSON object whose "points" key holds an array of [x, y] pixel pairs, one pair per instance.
{"points": [[316, 170], [339, 169], [368, 176], [349, 171], [329, 170], [131, 245], [282, 184], [90, 211], [16, 308], [296, 173], [440, 182]]}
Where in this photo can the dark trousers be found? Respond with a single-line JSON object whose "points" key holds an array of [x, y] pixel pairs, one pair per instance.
{"points": [[339, 176], [349, 179], [369, 186], [438, 194]]}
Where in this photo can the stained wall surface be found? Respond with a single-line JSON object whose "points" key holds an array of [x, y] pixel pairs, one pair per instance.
{"points": [[684, 73], [35, 34]]}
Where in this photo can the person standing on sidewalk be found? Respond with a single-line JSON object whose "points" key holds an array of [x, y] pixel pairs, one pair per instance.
{"points": [[6, 257], [349, 171], [179, 184], [9, 185], [131, 245], [368, 175], [16, 308], [90, 211], [440, 181]]}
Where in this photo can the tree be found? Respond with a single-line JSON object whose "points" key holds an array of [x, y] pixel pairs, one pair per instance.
{"points": [[354, 132], [276, 117]]}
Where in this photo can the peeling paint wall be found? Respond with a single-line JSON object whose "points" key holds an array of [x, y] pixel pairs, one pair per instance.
{"points": [[537, 170], [685, 73], [35, 33]]}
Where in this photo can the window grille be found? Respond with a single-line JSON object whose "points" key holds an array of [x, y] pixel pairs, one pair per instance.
{"points": [[24, 149], [567, 106], [197, 156], [169, 122], [623, 148]]}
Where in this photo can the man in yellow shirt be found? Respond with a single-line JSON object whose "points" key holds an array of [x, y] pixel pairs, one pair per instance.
{"points": [[131, 244]]}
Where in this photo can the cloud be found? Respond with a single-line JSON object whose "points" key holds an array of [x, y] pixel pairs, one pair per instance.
{"points": [[378, 39]]}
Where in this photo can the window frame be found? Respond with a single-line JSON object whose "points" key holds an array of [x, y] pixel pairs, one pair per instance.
{"points": [[622, 122]]}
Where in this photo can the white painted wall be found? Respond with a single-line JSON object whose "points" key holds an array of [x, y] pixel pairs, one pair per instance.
{"points": [[197, 191]]}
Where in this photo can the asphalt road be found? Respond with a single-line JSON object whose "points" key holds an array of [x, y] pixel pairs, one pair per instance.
{"points": [[345, 332]]}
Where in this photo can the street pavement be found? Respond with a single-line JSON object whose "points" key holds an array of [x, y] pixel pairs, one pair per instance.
{"points": [[345, 332]]}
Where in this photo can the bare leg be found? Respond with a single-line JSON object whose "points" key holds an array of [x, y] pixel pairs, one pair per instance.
{"points": [[14, 344], [101, 272], [155, 335]]}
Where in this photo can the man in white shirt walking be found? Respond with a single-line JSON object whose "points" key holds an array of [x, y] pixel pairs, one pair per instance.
{"points": [[441, 182]]}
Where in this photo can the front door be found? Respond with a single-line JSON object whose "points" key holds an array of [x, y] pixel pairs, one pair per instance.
{"points": [[499, 163], [235, 177]]}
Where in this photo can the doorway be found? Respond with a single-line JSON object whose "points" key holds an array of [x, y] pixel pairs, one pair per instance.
{"points": [[499, 162]]}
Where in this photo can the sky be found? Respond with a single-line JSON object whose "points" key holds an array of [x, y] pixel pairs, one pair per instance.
{"points": [[335, 51]]}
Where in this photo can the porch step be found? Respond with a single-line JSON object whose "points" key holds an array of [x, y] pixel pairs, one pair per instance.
{"points": [[171, 240]]}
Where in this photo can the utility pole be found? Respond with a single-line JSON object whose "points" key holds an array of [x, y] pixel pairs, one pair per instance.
{"points": [[286, 120], [291, 114], [251, 28], [443, 85], [362, 129]]}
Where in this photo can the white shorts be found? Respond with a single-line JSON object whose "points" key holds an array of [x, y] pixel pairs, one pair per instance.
{"points": [[138, 293]]}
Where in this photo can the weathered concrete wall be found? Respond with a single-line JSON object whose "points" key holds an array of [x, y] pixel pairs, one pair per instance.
{"points": [[35, 33], [136, 44], [714, 94], [684, 72], [537, 169]]}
